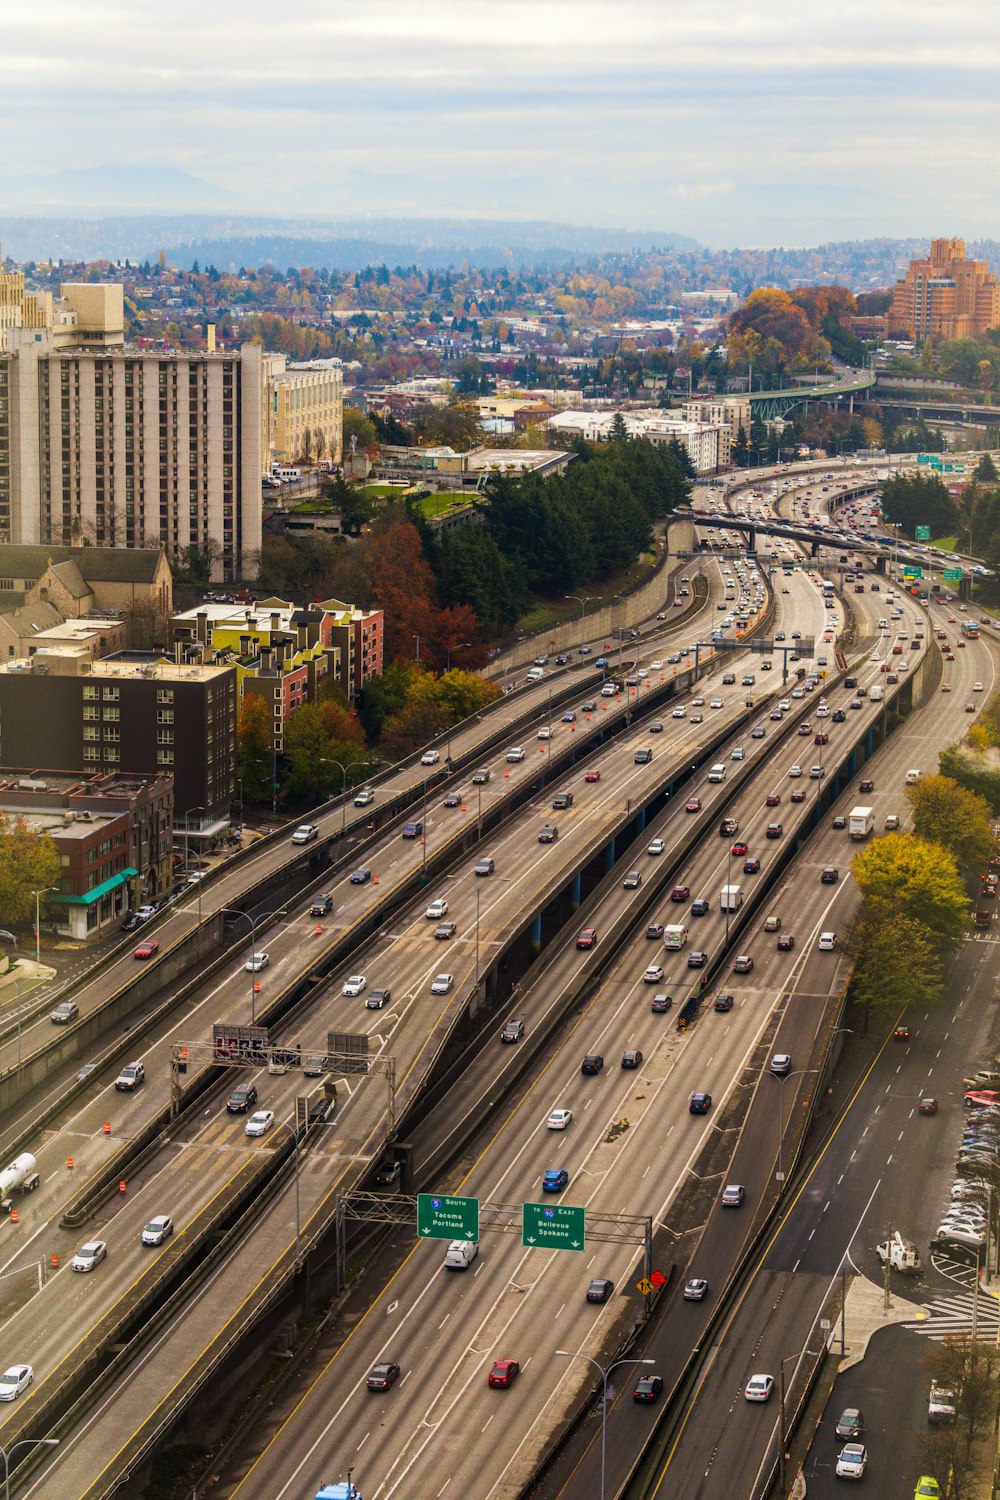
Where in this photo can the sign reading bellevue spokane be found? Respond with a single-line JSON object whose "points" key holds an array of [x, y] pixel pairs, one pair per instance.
{"points": [[440, 1217], [553, 1226]]}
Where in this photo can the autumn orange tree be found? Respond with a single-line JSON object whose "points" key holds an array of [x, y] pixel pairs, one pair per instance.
{"points": [[253, 748]]}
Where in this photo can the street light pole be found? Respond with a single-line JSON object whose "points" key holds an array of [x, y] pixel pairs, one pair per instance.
{"points": [[8, 1454], [604, 1373], [231, 911], [583, 600], [781, 1079], [38, 921], [478, 894]]}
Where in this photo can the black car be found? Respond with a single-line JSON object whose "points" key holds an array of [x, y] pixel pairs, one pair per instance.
{"points": [[838, 716], [647, 1388], [445, 930], [600, 1289], [361, 877], [242, 1099], [131, 921], [830, 875], [382, 1376], [867, 785], [723, 1001], [388, 1172], [592, 1063], [453, 799], [377, 998], [751, 866], [632, 1058], [700, 1104], [851, 1423], [548, 833]]}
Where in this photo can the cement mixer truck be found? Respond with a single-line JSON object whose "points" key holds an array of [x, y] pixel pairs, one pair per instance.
{"points": [[20, 1177]]}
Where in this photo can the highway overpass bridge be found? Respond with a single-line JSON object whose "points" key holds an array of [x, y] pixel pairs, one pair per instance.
{"points": [[766, 405]]}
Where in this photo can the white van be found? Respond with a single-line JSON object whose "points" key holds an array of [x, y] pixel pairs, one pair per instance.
{"points": [[460, 1254], [534, 673], [912, 777], [718, 772]]}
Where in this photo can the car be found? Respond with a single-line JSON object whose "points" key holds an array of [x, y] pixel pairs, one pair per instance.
{"points": [[559, 1119], [445, 930], [587, 938], [977, 687], [728, 827], [970, 708], [377, 998], [131, 1077], [660, 1004], [927, 1488], [693, 805], [680, 893], [838, 716], [759, 1388], [485, 866], [569, 717], [548, 833], [513, 1031], [260, 1122], [14, 1380], [65, 1011], [315, 1065], [733, 1195], [361, 877], [786, 943], [698, 959], [759, 732], [89, 1255], [647, 1388], [503, 1374], [679, 713], [322, 905], [256, 962], [631, 1058], [561, 660], [655, 847], [781, 1064], [388, 1172], [592, 1063], [242, 1099], [632, 881], [743, 964], [773, 799], [305, 833], [515, 755], [851, 1423], [827, 942], [383, 1376], [656, 727], [654, 930], [364, 798], [442, 984], [700, 1104], [738, 849], [157, 1230], [751, 866], [600, 1289], [795, 772], [437, 909], [901, 1034], [723, 1001], [774, 831], [701, 907], [355, 984], [555, 1179], [928, 1106], [149, 949], [830, 875], [413, 829], [430, 757], [592, 776], [839, 821], [851, 1461], [695, 1289], [453, 799]]}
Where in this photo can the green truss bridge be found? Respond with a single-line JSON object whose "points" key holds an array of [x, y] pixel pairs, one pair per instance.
{"points": [[766, 405]]}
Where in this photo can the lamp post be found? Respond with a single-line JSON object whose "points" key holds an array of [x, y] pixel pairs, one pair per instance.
{"points": [[327, 760], [9, 938], [604, 1372], [583, 600], [478, 895], [284, 1125], [462, 646], [239, 783], [8, 1454], [781, 1079], [198, 807], [417, 639], [38, 931], [255, 922]]}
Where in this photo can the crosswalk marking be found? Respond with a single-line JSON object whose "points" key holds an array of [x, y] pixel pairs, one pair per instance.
{"points": [[947, 1316]]}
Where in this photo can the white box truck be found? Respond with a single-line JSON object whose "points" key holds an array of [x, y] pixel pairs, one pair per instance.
{"points": [[860, 822], [675, 936], [731, 898]]}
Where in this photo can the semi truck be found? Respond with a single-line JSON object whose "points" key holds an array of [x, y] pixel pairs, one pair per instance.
{"points": [[20, 1177], [674, 936], [731, 898], [860, 822], [901, 1254]]}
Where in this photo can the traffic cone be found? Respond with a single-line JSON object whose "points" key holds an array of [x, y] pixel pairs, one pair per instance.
{"points": [[317, 929], [107, 1127], [15, 1217], [69, 1163]]}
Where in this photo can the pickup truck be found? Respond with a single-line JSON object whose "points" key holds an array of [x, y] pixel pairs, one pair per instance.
{"points": [[322, 905]]}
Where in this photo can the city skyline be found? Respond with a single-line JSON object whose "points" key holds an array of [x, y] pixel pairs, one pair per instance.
{"points": [[766, 126]]}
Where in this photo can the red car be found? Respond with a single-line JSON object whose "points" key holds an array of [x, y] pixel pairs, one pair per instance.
{"points": [[148, 949], [738, 849], [504, 1373], [592, 776], [773, 799], [901, 1034], [693, 804], [680, 893], [587, 938]]}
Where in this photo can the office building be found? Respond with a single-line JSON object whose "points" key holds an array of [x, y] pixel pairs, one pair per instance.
{"points": [[305, 410], [945, 296], [705, 443]]}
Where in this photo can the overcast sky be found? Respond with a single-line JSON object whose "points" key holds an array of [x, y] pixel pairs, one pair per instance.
{"points": [[761, 122]]}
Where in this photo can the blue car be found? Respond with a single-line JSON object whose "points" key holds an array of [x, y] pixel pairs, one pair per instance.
{"points": [[700, 908], [555, 1180], [602, 661]]}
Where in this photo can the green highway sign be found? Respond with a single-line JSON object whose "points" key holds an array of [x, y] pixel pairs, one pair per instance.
{"points": [[923, 533], [553, 1226], [952, 575], [913, 573], [442, 1218], [923, 458]]}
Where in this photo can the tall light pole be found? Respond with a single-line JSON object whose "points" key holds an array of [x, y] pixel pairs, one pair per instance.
{"points": [[231, 911], [327, 760], [478, 894], [781, 1079], [38, 929], [417, 639], [284, 1125], [8, 1454], [462, 646], [9, 938], [604, 1373], [583, 600]]}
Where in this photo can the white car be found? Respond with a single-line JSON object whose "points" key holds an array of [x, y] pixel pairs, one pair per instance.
{"points": [[89, 1255], [851, 1461], [157, 1230], [430, 757], [260, 1123], [657, 666], [15, 1380], [656, 846], [653, 975], [679, 713], [795, 771], [559, 1119], [305, 833], [515, 755], [442, 983], [759, 1388], [437, 910], [364, 797], [257, 961], [977, 687], [715, 703], [827, 942], [356, 984]]}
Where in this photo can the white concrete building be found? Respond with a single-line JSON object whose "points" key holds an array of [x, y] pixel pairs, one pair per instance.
{"points": [[706, 443]]}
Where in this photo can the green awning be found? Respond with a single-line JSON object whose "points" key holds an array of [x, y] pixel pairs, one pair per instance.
{"points": [[59, 897]]}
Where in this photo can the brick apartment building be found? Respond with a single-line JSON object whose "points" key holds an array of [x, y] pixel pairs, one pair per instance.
{"points": [[945, 296]]}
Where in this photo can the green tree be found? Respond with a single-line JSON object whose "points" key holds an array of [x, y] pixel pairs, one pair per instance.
{"points": [[458, 692], [902, 875], [948, 814], [412, 726], [986, 471], [381, 697], [357, 425], [29, 862], [308, 754], [976, 773], [253, 748], [970, 1369], [896, 964], [619, 431]]}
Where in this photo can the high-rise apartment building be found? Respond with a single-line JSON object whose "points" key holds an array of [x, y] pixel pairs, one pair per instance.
{"points": [[121, 447], [945, 296], [305, 410]]}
